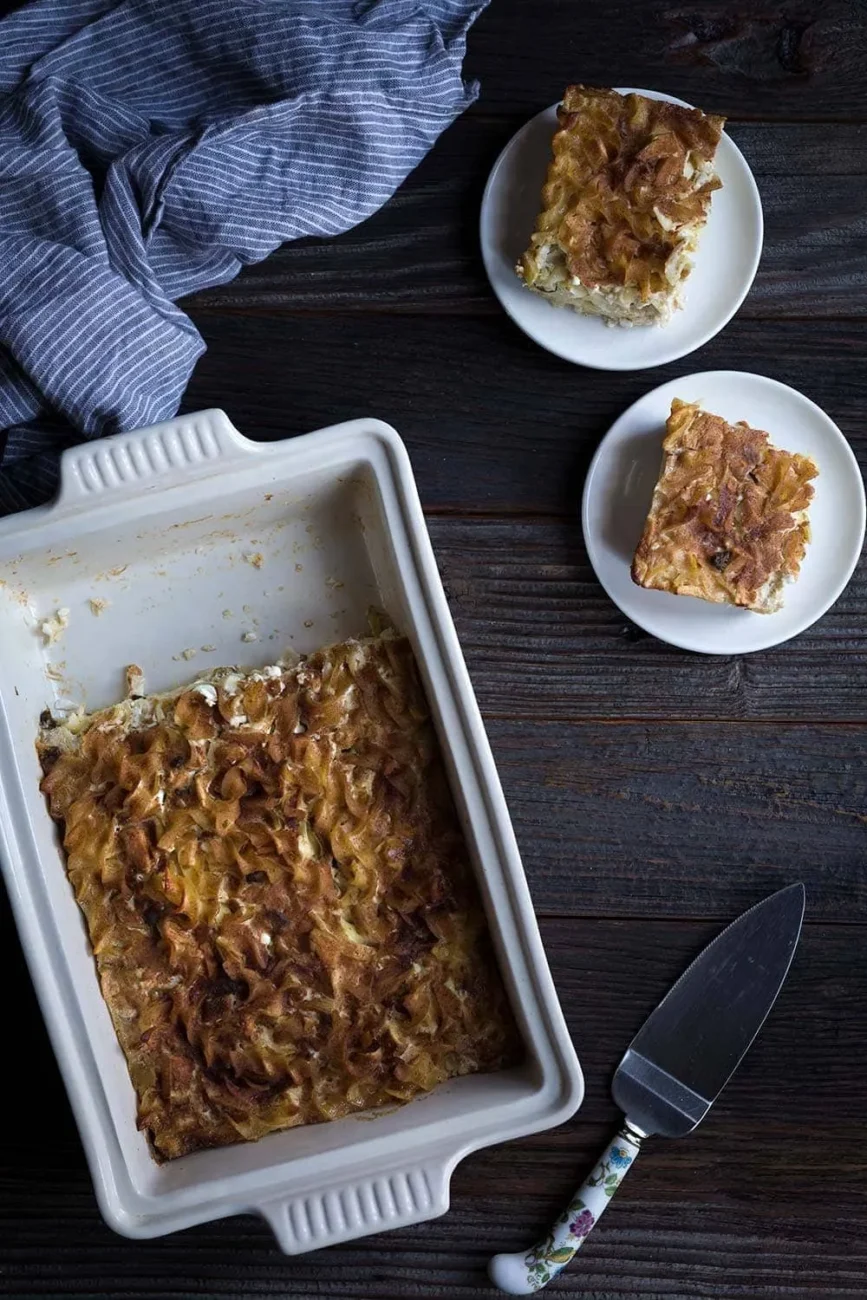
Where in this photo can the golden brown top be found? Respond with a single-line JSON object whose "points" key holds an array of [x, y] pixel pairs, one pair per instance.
{"points": [[728, 519], [278, 896], [628, 174]]}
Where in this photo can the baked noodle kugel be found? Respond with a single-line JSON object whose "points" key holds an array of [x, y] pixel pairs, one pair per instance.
{"points": [[278, 895], [729, 517], [625, 202]]}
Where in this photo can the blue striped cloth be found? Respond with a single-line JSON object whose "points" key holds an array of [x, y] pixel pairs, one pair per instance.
{"points": [[150, 148]]}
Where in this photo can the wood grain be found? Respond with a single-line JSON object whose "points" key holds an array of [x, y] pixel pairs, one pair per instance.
{"points": [[625, 820], [420, 254], [671, 1249], [775, 61], [492, 422], [543, 640], [730, 1211]]}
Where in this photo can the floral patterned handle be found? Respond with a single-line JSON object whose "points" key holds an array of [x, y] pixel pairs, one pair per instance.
{"points": [[530, 1270]]}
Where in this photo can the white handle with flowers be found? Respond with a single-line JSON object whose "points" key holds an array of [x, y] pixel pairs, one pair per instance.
{"points": [[530, 1270]]}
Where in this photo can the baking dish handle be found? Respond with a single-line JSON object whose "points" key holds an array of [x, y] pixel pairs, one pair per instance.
{"points": [[130, 463], [364, 1205]]}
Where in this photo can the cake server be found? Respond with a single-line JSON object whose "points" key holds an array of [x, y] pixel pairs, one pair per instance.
{"points": [[675, 1068]]}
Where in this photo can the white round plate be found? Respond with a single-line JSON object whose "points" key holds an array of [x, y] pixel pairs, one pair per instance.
{"points": [[619, 490], [725, 263]]}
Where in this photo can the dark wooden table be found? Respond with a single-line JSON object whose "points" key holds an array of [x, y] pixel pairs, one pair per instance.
{"points": [[655, 793]]}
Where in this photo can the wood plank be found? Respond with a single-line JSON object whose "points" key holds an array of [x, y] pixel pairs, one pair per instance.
{"points": [[667, 1247], [493, 423], [730, 1211], [543, 640], [420, 252], [628, 819], [773, 61]]}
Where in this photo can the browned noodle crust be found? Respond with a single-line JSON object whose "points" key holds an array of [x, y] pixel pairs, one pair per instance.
{"points": [[728, 519], [285, 923], [620, 187]]}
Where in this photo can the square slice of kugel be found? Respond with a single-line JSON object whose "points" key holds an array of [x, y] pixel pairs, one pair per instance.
{"points": [[626, 198], [728, 521]]}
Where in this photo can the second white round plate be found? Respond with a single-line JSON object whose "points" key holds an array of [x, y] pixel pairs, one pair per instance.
{"points": [[725, 262], [619, 490]]}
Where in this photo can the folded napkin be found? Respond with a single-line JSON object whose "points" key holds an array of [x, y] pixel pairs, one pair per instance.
{"points": [[150, 148]]}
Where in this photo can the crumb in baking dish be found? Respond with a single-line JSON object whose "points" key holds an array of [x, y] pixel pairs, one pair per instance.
{"points": [[625, 201], [52, 628], [729, 517], [278, 895]]}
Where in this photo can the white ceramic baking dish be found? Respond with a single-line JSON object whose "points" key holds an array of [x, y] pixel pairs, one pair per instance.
{"points": [[200, 540]]}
